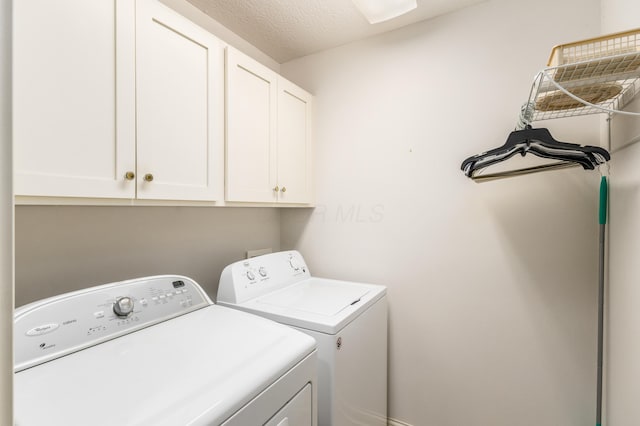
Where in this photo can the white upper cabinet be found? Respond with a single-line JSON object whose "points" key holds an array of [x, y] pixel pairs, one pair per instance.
{"points": [[294, 143], [251, 129], [116, 99], [73, 97], [180, 101], [124, 99], [268, 135]]}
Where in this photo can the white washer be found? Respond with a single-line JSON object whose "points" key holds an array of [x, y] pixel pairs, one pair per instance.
{"points": [[156, 351], [348, 320]]}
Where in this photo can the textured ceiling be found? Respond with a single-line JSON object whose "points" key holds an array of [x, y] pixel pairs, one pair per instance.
{"points": [[289, 29]]}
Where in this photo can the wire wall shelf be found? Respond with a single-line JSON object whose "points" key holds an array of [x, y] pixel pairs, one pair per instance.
{"points": [[598, 75], [593, 76]]}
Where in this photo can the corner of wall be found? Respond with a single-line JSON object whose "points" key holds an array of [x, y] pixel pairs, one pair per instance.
{"points": [[6, 220]]}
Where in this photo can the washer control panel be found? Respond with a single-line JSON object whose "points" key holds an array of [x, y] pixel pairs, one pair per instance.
{"points": [[246, 279], [57, 326]]}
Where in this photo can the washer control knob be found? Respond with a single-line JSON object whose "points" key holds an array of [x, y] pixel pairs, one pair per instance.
{"points": [[262, 271], [294, 264], [123, 306], [251, 275]]}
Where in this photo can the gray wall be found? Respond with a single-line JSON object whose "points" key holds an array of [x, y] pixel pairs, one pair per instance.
{"points": [[622, 360], [6, 220], [65, 248], [492, 287]]}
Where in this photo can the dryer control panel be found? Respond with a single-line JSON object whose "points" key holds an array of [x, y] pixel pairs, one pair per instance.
{"points": [[60, 325], [246, 279]]}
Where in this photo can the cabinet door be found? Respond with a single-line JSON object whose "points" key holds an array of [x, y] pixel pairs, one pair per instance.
{"points": [[251, 130], [180, 100], [294, 143], [73, 97]]}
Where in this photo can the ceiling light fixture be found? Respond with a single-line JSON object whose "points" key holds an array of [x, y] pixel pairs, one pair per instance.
{"points": [[382, 10]]}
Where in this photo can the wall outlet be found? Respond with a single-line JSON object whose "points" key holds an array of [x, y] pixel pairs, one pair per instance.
{"points": [[258, 252]]}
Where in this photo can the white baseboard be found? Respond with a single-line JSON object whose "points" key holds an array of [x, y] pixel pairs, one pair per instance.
{"points": [[395, 422]]}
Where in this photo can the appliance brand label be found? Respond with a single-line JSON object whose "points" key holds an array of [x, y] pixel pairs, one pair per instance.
{"points": [[44, 346], [43, 329]]}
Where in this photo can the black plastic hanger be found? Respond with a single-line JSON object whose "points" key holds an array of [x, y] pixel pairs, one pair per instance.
{"points": [[538, 142]]}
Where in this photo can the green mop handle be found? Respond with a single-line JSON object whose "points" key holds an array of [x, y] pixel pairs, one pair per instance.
{"points": [[603, 221], [603, 201]]}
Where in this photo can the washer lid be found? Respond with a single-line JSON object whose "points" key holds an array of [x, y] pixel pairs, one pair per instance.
{"points": [[199, 368], [317, 304], [321, 297]]}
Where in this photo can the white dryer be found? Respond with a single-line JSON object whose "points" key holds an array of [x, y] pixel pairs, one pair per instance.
{"points": [[347, 319], [156, 351]]}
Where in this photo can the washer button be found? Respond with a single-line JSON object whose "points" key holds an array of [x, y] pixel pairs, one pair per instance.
{"points": [[262, 271], [251, 275]]}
